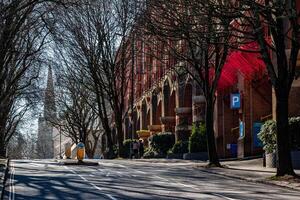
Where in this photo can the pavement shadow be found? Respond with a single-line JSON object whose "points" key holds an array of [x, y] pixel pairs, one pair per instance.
{"points": [[33, 186]]}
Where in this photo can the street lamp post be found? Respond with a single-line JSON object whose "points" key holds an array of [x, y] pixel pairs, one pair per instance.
{"points": [[132, 93]]}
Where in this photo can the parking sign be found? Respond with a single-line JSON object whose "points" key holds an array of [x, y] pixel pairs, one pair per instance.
{"points": [[235, 101]]}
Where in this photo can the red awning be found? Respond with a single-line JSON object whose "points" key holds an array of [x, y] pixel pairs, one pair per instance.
{"points": [[249, 64]]}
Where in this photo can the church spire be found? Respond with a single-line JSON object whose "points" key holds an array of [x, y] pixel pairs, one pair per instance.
{"points": [[49, 99]]}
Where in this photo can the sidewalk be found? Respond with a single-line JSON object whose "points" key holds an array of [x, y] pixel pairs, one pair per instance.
{"points": [[250, 170]]}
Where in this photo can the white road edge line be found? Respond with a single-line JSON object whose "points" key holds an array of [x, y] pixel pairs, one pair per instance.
{"points": [[11, 183], [14, 193], [92, 184]]}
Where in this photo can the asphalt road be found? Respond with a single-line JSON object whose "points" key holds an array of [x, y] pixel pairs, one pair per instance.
{"points": [[122, 179]]}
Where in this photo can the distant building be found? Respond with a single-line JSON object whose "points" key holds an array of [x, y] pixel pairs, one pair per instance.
{"points": [[45, 143]]}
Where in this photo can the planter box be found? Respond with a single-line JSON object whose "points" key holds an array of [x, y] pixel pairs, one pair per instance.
{"points": [[196, 156], [175, 156], [295, 159], [143, 133], [271, 160]]}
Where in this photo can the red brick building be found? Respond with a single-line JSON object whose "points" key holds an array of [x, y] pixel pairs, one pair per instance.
{"points": [[167, 101]]}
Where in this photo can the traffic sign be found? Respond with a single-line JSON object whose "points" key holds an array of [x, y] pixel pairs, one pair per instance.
{"points": [[235, 101]]}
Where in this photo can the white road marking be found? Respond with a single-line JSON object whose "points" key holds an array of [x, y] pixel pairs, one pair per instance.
{"points": [[92, 184], [111, 172], [161, 178], [11, 183], [222, 196], [35, 164], [123, 166], [9, 186], [157, 177], [100, 170], [112, 164], [172, 182]]}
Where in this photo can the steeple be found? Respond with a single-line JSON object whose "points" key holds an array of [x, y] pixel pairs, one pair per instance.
{"points": [[49, 99]]}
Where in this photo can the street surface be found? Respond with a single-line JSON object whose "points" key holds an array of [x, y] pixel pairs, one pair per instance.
{"points": [[123, 179]]}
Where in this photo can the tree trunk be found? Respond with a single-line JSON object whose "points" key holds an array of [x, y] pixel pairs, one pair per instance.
{"points": [[120, 135], [284, 161], [105, 124], [89, 149], [110, 153], [2, 150], [2, 143], [209, 123]]}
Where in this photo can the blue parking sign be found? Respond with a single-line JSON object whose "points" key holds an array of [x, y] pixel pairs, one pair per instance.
{"points": [[235, 101]]}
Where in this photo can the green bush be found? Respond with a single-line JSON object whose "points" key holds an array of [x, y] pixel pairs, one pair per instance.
{"points": [[152, 153], [125, 153], [180, 147], [197, 140], [162, 142], [267, 135], [115, 151]]}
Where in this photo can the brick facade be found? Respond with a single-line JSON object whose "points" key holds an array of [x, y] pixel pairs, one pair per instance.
{"points": [[168, 101]]}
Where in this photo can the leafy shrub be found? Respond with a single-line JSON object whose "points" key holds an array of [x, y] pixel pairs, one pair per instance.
{"points": [[114, 152], [162, 142], [267, 135], [180, 147], [152, 153], [197, 140], [125, 153]]}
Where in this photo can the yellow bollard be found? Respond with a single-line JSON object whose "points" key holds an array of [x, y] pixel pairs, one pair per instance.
{"points": [[80, 151], [68, 153]]}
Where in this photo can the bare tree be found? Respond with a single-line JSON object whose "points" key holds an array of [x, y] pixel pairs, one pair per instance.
{"points": [[278, 20], [197, 33], [77, 120], [90, 37], [22, 39], [23, 36], [21, 146], [17, 146]]}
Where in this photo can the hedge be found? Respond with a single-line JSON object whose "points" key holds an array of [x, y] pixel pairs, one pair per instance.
{"points": [[162, 142], [180, 147], [197, 140]]}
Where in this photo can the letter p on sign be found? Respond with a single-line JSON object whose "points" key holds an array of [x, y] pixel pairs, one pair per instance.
{"points": [[235, 101]]}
